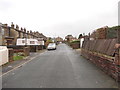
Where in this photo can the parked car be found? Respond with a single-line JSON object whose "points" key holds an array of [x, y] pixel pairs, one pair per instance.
{"points": [[60, 42], [51, 46]]}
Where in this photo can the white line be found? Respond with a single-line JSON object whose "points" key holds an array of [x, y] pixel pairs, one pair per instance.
{"points": [[19, 66]]}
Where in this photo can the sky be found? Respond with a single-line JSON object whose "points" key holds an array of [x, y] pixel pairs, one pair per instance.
{"points": [[60, 17]]}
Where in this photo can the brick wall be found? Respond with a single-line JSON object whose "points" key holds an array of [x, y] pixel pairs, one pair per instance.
{"points": [[103, 54]]}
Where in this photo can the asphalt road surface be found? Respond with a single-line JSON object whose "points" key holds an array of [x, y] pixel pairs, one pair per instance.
{"points": [[61, 68]]}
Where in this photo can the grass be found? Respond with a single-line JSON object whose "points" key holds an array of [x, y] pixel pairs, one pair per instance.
{"points": [[17, 57]]}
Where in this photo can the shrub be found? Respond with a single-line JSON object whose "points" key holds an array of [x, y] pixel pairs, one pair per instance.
{"points": [[76, 41]]}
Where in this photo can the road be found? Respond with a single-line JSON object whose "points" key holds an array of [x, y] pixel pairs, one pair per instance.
{"points": [[61, 68]]}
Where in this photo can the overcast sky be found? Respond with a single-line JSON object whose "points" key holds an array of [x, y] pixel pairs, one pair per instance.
{"points": [[60, 17]]}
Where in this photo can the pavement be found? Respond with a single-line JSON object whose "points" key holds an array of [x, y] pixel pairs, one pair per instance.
{"points": [[11, 65], [61, 68]]}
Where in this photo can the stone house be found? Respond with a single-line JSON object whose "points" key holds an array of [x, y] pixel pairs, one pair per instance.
{"points": [[11, 34], [59, 39], [70, 38], [6, 36]]}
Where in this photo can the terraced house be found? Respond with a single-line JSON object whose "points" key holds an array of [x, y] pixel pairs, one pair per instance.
{"points": [[10, 34]]}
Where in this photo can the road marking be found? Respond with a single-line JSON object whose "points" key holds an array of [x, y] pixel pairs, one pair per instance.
{"points": [[20, 65]]}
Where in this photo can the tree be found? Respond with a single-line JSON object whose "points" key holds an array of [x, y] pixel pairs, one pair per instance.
{"points": [[80, 36]]}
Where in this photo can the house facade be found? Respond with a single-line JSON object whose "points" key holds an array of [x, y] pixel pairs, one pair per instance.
{"points": [[70, 38], [10, 34]]}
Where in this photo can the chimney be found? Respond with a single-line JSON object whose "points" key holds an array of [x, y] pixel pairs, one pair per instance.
{"points": [[17, 27], [25, 30], [12, 25]]}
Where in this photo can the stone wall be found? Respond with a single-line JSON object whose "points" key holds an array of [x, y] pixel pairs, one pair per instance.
{"points": [[75, 45], [11, 53], [26, 51], [34, 48]]}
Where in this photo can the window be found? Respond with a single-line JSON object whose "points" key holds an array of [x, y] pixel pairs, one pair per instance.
{"points": [[2, 31], [32, 42], [23, 41]]}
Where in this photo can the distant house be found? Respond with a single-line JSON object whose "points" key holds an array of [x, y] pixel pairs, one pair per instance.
{"points": [[70, 38], [59, 39]]}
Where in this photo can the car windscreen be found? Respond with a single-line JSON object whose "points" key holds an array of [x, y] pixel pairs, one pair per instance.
{"points": [[51, 44]]}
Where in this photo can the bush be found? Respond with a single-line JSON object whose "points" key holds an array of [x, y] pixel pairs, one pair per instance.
{"points": [[77, 41]]}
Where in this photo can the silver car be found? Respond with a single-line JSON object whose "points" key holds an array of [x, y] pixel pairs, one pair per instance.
{"points": [[51, 46]]}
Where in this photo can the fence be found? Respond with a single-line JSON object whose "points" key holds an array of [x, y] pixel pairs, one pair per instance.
{"points": [[103, 46], [102, 53]]}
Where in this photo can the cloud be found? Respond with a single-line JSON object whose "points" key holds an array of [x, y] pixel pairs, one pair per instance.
{"points": [[5, 5], [59, 17]]}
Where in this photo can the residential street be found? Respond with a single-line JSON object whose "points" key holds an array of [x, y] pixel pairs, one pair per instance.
{"points": [[61, 68]]}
